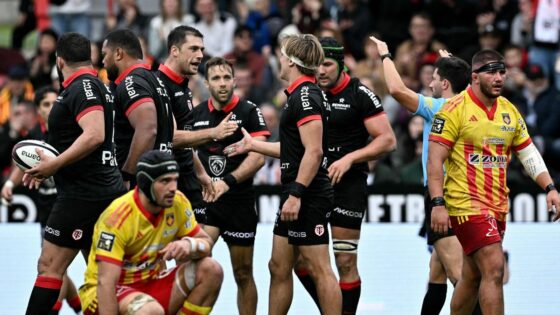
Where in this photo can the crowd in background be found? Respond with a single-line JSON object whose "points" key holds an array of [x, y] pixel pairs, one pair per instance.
{"points": [[526, 32]]}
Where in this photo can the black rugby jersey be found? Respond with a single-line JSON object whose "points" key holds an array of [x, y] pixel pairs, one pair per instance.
{"points": [[352, 103], [305, 102], [217, 165], [135, 86], [181, 105], [95, 176]]}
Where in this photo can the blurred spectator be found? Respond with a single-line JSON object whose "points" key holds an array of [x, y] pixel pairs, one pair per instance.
{"points": [[309, 15], [380, 173], [371, 64], [22, 120], [522, 25], [515, 79], [217, 27], [455, 23], [420, 48], [355, 22], [71, 16], [245, 86], [97, 63], [44, 59], [243, 53], [546, 38], [488, 38], [411, 172], [266, 22], [500, 14], [171, 16], [129, 16], [25, 24], [18, 89], [425, 76]]}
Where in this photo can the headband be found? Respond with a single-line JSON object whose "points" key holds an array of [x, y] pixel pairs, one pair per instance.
{"points": [[491, 67], [297, 61]]}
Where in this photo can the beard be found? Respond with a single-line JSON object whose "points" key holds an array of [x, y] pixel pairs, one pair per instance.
{"points": [[487, 91], [60, 77], [218, 97], [112, 73]]}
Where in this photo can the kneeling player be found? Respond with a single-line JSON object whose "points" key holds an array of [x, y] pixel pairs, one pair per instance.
{"points": [[132, 236]]}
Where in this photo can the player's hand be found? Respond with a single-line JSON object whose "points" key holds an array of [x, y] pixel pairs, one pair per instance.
{"points": [[553, 204], [178, 250], [207, 187], [44, 169], [338, 169], [242, 146], [126, 184], [440, 220], [444, 53], [31, 182], [225, 129], [220, 188], [382, 48], [7, 194], [290, 209]]}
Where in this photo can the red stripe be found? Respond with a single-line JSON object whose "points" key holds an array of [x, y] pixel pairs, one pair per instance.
{"points": [[471, 173], [194, 231], [138, 103], [302, 272], [501, 175], [57, 306], [87, 110], [488, 180], [307, 119], [260, 133], [350, 285], [48, 283], [123, 219], [523, 145], [108, 259], [185, 311], [441, 140], [373, 116], [75, 302]]}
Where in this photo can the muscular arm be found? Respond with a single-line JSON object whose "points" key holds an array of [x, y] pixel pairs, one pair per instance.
{"points": [[106, 285], [311, 134], [144, 121], [188, 138], [437, 154], [384, 140], [250, 165], [267, 148]]}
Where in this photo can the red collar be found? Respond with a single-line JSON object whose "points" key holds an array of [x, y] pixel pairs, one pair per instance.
{"points": [[129, 69], [43, 125], [229, 107], [344, 83], [154, 219], [489, 113], [174, 76], [78, 73], [300, 81]]}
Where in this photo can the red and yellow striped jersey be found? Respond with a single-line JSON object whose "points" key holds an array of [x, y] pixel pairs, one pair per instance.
{"points": [[481, 143], [128, 235]]}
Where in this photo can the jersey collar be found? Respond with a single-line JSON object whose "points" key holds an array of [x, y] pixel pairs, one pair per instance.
{"points": [[300, 81], [174, 76], [154, 219], [489, 113], [76, 74], [343, 84], [229, 107], [129, 69]]}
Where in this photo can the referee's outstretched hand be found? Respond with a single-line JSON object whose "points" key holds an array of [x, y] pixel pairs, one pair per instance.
{"points": [[382, 48]]}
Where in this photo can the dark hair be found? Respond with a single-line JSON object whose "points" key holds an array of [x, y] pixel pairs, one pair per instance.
{"points": [[242, 29], [74, 48], [40, 94], [126, 40], [423, 16], [28, 106], [456, 71], [177, 36], [485, 56], [217, 61]]}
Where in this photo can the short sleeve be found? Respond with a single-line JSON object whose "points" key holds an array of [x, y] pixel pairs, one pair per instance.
{"points": [[132, 92], [445, 127], [521, 138], [368, 104], [257, 126], [87, 98], [188, 226], [306, 105], [428, 106], [109, 241]]}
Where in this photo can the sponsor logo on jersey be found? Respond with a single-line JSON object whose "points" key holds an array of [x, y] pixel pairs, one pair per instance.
{"points": [[240, 234], [304, 94], [319, 229], [166, 233], [488, 161], [285, 166], [77, 234], [473, 118], [522, 124], [297, 234], [106, 241], [505, 118], [261, 118], [507, 129], [52, 231], [128, 85], [201, 123], [88, 90], [349, 213], [494, 141], [371, 95], [180, 93], [169, 219], [437, 126], [217, 164]]}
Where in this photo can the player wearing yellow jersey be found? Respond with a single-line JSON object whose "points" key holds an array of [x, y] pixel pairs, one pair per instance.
{"points": [[475, 133], [135, 234]]}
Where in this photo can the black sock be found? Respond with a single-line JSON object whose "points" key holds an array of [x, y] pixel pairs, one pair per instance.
{"points": [[477, 310], [434, 299], [308, 284], [44, 295], [350, 296]]}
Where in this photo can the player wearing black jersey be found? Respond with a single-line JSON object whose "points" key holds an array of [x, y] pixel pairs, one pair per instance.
{"points": [[307, 194], [143, 116], [185, 47], [356, 115], [231, 212], [85, 173]]}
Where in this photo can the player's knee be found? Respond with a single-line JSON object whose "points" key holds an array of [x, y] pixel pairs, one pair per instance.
{"points": [[45, 266], [243, 274], [345, 263], [278, 270], [211, 272], [150, 308]]}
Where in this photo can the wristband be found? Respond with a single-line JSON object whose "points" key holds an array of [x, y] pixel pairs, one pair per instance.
{"points": [[127, 177], [549, 188], [296, 189], [10, 184], [230, 180], [193, 242], [438, 201], [387, 55]]}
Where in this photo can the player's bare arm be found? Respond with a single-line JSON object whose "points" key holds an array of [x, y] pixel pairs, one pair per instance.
{"points": [[14, 180], [249, 144], [203, 178], [311, 134], [107, 280], [384, 141], [438, 153], [144, 121], [187, 139], [189, 247]]}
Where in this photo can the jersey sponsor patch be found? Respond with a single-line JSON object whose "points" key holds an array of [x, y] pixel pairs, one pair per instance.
{"points": [[371, 95], [437, 126], [217, 164], [106, 241]]}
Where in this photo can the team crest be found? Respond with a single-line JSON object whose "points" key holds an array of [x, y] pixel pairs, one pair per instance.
{"points": [[217, 164], [319, 229], [77, 234], [169, 219], [505, 117]]}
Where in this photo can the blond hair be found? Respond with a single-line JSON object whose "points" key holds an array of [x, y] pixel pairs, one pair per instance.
{"points": [[305, 51]]}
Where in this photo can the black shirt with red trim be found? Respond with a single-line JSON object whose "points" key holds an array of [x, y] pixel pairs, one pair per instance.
{"points": [[352, 104], [180, 95], [306, 102], [96, 175], [135, 86], [211, 154]]}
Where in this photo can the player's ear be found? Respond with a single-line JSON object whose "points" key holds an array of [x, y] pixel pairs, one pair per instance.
{"points": [[474, 77], [119, 53]]}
